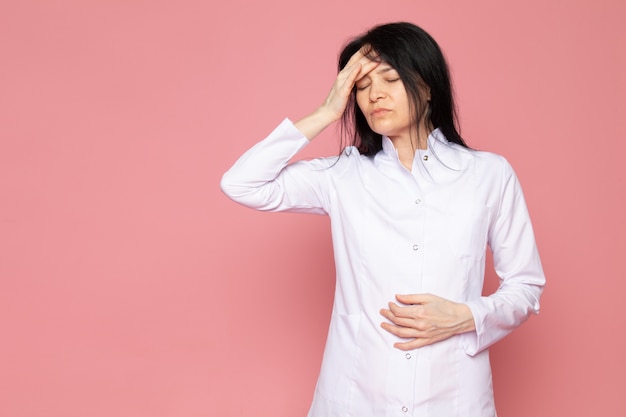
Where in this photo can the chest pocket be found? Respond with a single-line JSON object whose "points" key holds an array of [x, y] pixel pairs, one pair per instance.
{"points": [[466, 231]]}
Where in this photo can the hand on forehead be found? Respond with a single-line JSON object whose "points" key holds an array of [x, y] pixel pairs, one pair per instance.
{"points": [[366, 58]]}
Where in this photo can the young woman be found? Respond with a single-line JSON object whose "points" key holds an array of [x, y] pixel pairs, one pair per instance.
{"points": [[412, 211]]}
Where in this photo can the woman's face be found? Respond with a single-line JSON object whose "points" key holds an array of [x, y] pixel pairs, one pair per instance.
{"points": [[382, 98]]}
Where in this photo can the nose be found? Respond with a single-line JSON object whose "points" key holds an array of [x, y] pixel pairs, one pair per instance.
{"points": [[377, 91]]}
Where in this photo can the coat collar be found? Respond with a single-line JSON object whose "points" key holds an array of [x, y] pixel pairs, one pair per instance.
{"points": [[434, 138], [442, 161]]}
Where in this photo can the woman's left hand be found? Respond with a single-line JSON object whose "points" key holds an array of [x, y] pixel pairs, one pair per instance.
{"points": [[425, 319]]}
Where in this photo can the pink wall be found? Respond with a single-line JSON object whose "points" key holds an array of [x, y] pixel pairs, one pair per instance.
{"points": [[130, 286]]}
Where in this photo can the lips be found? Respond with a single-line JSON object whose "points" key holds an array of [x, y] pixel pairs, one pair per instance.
{"points": [[378, 112]]}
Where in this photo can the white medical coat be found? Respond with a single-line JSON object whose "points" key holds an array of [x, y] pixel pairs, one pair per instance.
{"points": [[397, 231]]}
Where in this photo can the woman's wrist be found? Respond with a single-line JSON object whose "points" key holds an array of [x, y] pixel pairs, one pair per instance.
{"points": [[467, 323], [314, 123]]}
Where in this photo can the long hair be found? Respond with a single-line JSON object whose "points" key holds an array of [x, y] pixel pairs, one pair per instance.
{"points": [[417, 58]]}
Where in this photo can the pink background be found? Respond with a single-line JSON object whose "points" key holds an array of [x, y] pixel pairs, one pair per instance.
{"points": [[130, 286]]}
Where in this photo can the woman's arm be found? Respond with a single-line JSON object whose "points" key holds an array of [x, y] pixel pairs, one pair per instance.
{"points": [[424, 319], [335, 104], [262, 178], [517, 263]]}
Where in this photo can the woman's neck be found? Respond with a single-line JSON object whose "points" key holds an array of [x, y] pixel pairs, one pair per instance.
{"points": [[407, 145]]}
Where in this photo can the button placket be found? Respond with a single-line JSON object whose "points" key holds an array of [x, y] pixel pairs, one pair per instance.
{"points": [[416, 246]]}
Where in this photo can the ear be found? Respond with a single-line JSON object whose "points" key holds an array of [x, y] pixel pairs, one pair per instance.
{"points": [[426, 91]]}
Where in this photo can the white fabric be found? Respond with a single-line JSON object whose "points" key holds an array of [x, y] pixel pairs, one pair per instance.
{"points": [[401, 232]]}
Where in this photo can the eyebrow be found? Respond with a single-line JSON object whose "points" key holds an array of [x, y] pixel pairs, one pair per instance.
{"points": [[380, 70], [384, 69]]}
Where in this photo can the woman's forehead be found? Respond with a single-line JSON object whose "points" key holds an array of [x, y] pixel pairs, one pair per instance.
{"points": [[384, 67]]}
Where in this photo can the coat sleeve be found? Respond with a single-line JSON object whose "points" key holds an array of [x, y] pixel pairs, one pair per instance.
{"points": [[517, 263], [263, 179]]}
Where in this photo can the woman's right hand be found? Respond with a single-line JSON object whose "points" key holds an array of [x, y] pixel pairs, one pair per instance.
{"points": [[358, 66]]}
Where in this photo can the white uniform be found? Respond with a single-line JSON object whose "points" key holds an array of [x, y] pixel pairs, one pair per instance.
{"points": [[401, 232]]}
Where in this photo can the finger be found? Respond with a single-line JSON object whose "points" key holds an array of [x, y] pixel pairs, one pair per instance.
{"points": [[409, 323], [342, 87], [367, 67], [356, 61], [422, 340], [412, 344], [369, 52], [358, 70], [362, 58], [353, 75], [356, 56], [402, 312], [401, 331], [412, 299], [364, 52], [388, 314]]}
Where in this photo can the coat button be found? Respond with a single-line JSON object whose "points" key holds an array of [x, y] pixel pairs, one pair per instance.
{"points": [[417, 201], [415, 247], [408, 356], [425, 157], [405, 409]]}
